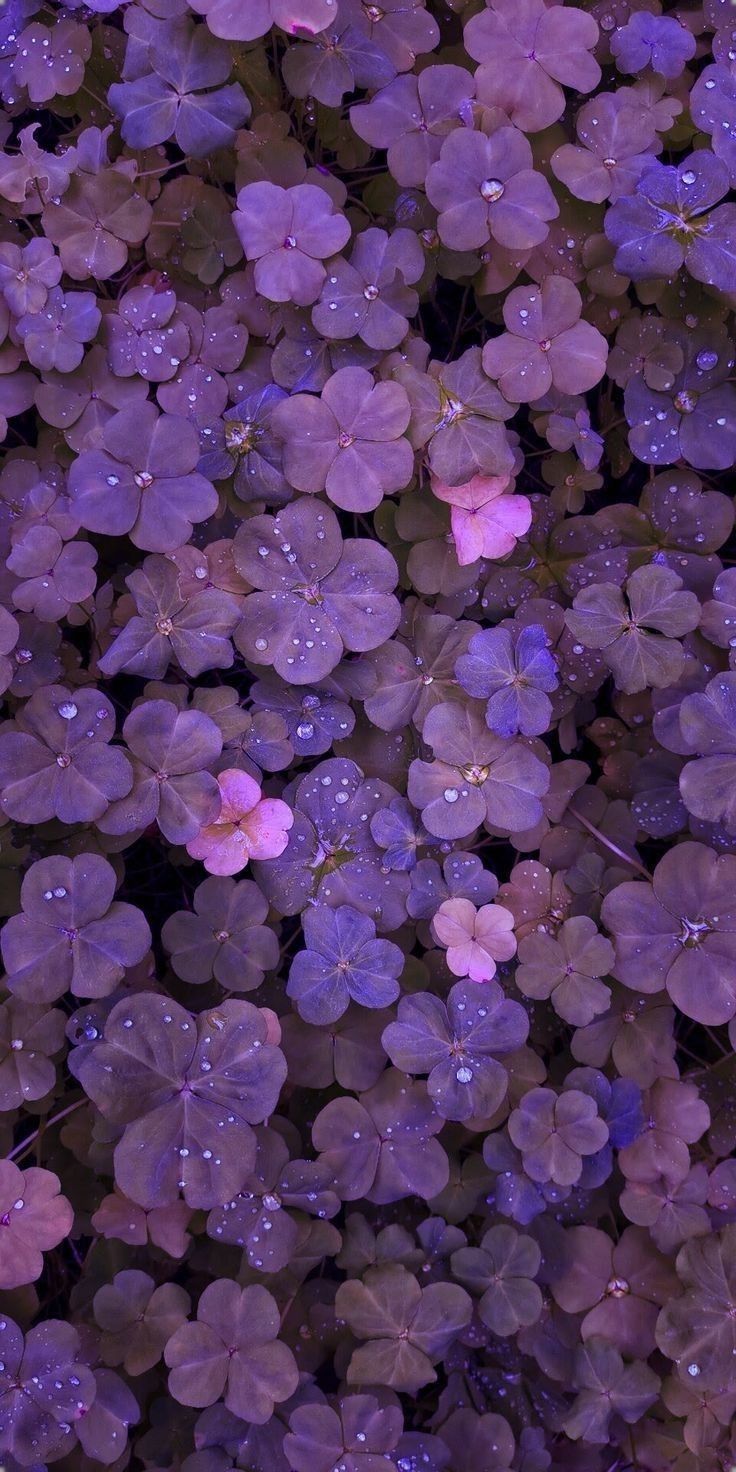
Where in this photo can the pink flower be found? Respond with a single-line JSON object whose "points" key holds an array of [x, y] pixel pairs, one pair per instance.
{"points": [[248, 827], [485, 521], [475, 939]]}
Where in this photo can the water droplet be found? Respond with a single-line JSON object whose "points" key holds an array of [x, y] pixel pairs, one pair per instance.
{"points": [[451, 794]]}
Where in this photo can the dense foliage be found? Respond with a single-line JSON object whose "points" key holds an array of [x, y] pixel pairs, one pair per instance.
{"points": [[368, 757]]}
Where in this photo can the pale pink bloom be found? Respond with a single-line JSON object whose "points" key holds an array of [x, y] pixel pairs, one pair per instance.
{"points": [[475, 939], [248, 827], [273, 1025], [485, 522]]}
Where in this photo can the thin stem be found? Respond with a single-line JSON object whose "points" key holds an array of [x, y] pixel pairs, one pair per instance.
{"points": [[25, 1145], [458, 324], [633, 863]]}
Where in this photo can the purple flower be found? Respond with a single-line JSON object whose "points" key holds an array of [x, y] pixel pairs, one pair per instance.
{"points": [[260, 1219], [35, 1218], [195, 630], [529, 52], [343, 960], [56, 761], [400, 835], [146, 337], [49, 61], [566, 968], [363, 1431], [546, 345], [412, 677], [71, 934], [678, 932], [671, 221], [382, 1145], [315, 716], [455, 1044], [243, 445], [45, 1389], [368, 296], [29, 1037], [619, 140], [101, 215], [27, 274], [186, 1090], [54, 337], [476, 777], [456, 415], [223, 936], [137, 1319], [289, 233], [172, 753], [690, 415], [638, 634], [142, 481], [349, 442], [407, 1327], [81, 402], [232, 1351], [412, 115], [502, 1271], [313, 600], [516, 677], [486, 189], [55, 576], [555, 1132], [658, 41], [182, 96], [332, 857]]}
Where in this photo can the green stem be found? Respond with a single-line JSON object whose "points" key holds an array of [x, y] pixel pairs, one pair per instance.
{"points": [[25, 1145]]}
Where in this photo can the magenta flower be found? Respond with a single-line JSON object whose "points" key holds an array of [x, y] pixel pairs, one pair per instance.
{"points": [[485, 521], [248, 827], [475, 939]]}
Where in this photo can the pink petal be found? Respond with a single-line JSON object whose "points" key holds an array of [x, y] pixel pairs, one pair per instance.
{"points": [[459, 958], [485, 522], [453, 924], [223, 849], [273, 1025], [267, 828], [240, 793], [469, 535], [473, 493], [481, 966], [503, 522]]}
